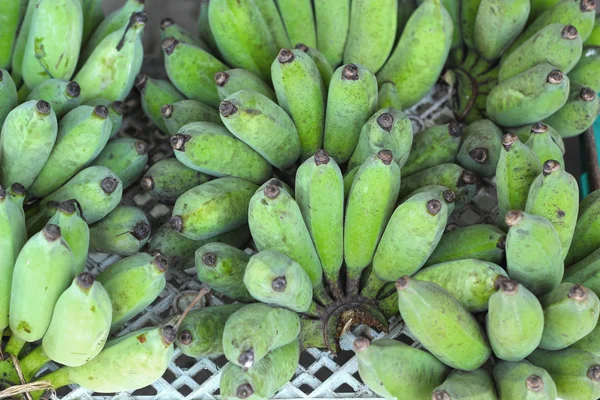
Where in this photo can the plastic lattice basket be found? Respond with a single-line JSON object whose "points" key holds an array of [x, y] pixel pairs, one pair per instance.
{"points": [[320, 374]]}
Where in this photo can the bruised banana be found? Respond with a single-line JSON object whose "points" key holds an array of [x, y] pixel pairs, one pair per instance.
{"points": [[155, 93], [177, 115], [124, 231], [126, 157], [578, 114]]}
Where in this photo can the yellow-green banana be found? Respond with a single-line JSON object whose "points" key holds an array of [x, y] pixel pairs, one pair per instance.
{"points": [[124, 231], [126, 157], [298, 18], [154, 94], [177, 115], [233, 80], [333, 23], [62, 95]]}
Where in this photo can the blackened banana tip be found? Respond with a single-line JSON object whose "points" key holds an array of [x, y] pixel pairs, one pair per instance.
{"points": [[449, 196], [178, 141], [508, 286], [140, 82], [51, 232], [403, 282], [147, 183], [85, 280], [227, 108], [441, 395], [2, 193], [594, 373], [555, 77], [350, 72], [501, 243], [456, 129], [434, 207], [141, 147], [279, 284], [361, 344], [386, 156], [385, 121], [321, 157], [168, 45], [244, 391], [468, 177], [569, 32], [101, 111], [209, 259], [587, 94], [109, 184], [17, 189], [539, 127], [303, 47], [176, 223], [165, 23], [535, 383], [166, 111], [185, 337], [68, 207], [246, 359], [168, 334], [513, 217], [479, 155], [119, 107], [578, 293], [161, 262], [141, 231], [588, 5], [550, 166], [272, 191], [285, 56], [508, 139], [43, 107], [221, 78], [73, 89]]}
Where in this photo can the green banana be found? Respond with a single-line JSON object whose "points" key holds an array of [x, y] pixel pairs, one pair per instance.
{"points": [[586, 238], [92, 18], [372, 33], [276, 223], [54, 41], [578, 114], [155, 93], [396, 370], [441, 324], [177, 115], [112, 23], [576, 373], [370, 204], [481, 147], [233, 80], [405, 9], [433, 146], [320, 196], [388, 96], [538, 7], [555, 44], [517, 169], [454, 177], [20, 43], [192, 71], [82, 134], [14, 236], [180, 251], [332, 23], [465, 385], [468, 17], [8, 95], [590, 343], [417, 61], [554, 195], [80, 324], [570, 313], [116, 110], [301, 93], [482, 242], [126, 157], [254, 330], [299, 21], [222, 267], [263, 125], [274, 278], [587, 70], [110, 70], [124, 231], [204, 32], [497, 24], [533, 252], [542, 144], [132, 284], [320, 61], [36, 222], [63, 96], [168, 27], [242, 35], [98, 190], [351, 100], [28, 135], [523, 380], [348, 180], [265, 378], [201, 332], [514, 322], [470, 281], [117, 368], [9, 22], [168, 179], [270, 13], [528, 97], [585, 272], [74, 230], [387, 129], [45, 261], [594, 38], [212, 208], [525, 132]]}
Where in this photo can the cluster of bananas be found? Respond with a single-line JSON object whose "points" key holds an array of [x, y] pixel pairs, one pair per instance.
{"points": [[304, 153]]}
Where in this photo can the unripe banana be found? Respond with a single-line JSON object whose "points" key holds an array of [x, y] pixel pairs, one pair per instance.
{"points": [[333, 23], [514, 322], [124, 231], [372, 33], [9, 26], [62, 95], [54, 41], [255, 330], [469, 9], [586, 238], [523, 380], [75, 232], [464, 385], [320, 196], [168, 179], [320, 61], [517, 169], [92, 18], [299, 20], [388, 96], [433, 146], [262, 125], [533, 252], [274, 278], [222, 267], [116, 110], [555, 44], [155, 93], [270, 13], [20, 43], [8, 95], [481, 148], [192, 71], [179, 114], [351, 100], [578, 114], [528, 97], [212, 208], [126, 157], [80, 323], [587, 70], [590, 343], [132, 284], [45, 261], [204, 32], [82, 134], [168, 27], [538, 7], [370, 204], [525, 132], [242, 35], [36, 222], [28, 135], [387, 129], [594, 38], [421, 53], [233, 80], [543, 145]]}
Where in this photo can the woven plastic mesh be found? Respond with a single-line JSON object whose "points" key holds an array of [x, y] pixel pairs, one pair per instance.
{"points": [[320, 374]]}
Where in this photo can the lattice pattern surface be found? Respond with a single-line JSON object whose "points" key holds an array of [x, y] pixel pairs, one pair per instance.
{"points": [[320, 374]]}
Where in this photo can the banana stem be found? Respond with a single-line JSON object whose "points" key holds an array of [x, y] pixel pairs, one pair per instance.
{"points": [[320, 295], [14, 345], [57, 379], [389, 305], [334, 286], [311, 334], [481, 67], [470, 60], [372, 287], [315, 310], [33, 362]]}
